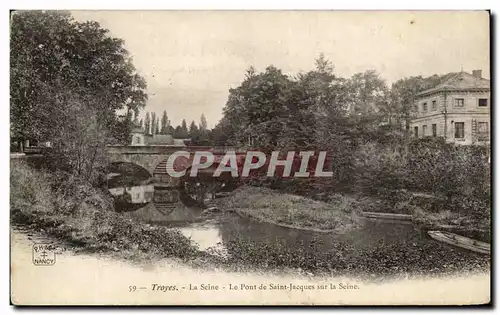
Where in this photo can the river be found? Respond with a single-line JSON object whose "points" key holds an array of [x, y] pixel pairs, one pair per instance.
{"points": [[378, 247]]}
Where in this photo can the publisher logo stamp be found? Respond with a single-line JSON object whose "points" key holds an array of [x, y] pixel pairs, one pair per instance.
{"points": [[44, 254]]}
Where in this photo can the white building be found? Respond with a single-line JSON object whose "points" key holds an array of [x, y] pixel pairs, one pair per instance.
{"points": [[458, 110]]}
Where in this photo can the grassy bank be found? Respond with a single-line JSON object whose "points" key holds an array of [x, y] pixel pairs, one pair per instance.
{"points": [[469, 216], [337, 215], [63, 206]]}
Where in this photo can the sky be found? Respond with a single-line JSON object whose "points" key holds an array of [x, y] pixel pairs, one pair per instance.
{"points": [[190, 59]]}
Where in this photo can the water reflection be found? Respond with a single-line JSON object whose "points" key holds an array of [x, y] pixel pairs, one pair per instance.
{"points": [[135, 194]]}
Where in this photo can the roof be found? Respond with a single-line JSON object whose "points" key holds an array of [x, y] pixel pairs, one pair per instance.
{"points": [[460, 81], [159, 140]]}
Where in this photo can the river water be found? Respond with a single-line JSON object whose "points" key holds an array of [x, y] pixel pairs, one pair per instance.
{"points": [[376, 247]]}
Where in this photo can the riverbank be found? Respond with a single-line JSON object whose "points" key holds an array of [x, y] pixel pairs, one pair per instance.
{"points": [[71, 210], [467, 216], [292, 211], [100, 280]]}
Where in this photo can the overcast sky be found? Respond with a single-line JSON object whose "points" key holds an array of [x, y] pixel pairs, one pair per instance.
{"points": [[191, 58]]}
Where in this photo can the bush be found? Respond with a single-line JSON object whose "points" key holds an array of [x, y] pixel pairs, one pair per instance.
{"points": [[379, 167], [448, 169], [29, 189]]}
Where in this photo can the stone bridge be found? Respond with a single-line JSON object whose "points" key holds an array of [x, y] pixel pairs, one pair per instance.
{"points": [[154, 158]]}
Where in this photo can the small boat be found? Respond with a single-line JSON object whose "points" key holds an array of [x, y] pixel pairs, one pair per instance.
{"points": [[387, 216], [461, 241]]}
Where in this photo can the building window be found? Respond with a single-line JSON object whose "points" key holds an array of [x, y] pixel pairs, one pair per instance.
{"points": [[416, 131], [482, 127], [434, 105], [459, 102], [434, 130], [424, 130], [424, 107], [482, 102], [459, 130]]}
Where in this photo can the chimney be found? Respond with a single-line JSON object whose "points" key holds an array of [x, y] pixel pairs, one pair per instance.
{"points": [[477, 73]]}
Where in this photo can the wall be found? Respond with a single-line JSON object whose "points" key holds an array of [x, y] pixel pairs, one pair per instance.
{"points": [[470, 102]]}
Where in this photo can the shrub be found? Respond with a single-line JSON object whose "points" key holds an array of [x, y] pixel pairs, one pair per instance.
{"points": [[379, 167], [29, 190]]}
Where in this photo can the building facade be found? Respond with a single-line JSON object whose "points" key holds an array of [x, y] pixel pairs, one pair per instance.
{"points": [[457, 110]]}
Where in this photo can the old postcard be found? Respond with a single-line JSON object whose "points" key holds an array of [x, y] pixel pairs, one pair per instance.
{"points": [[250, 157]]}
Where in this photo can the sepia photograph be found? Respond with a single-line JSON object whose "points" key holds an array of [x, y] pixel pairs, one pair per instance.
{"points": [[286, 157]]}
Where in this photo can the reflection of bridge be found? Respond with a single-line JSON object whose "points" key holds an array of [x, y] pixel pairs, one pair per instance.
{"points": [[154, 158]]}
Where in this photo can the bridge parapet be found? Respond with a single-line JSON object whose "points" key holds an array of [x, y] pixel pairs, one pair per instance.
{"points": [[154, 158]]}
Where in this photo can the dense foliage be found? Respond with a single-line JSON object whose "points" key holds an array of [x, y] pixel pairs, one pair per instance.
{"points": [[71, 84], [362, 124]]}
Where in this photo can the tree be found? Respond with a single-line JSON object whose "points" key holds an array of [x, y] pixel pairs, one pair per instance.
{"points": [[323, 65], [404, 93], [153, 123], [368, 92], [184, 130], [157, 125], [53, 57], [135, 120], [203, 123], [170, 130], [79, 147], [165, 123], [193, 130], [178, 134], [402, 99], [256, 110], [181, 132]]}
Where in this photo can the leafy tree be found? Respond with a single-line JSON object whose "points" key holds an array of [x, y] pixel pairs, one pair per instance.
{"points": [[178, 132], [147, 124], [404, 93], [153, 123], [368, 93], [165, 123], [170, 130], [54, 58], [69, 82], [203, 122], [80, 146], [323, 65], [181, 132], [402, 99], [256, 111], [193, 130], [184, 129]]}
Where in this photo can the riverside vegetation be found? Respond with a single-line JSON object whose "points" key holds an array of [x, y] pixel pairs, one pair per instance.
{"points": [[71, 210]]}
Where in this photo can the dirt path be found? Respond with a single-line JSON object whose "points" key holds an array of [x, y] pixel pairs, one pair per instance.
{"points": [[86, 279]]}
